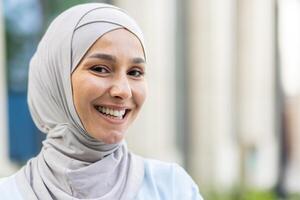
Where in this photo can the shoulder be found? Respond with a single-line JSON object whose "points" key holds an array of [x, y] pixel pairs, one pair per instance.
{"points": [[164, 172], [8, 189], [169, 181]]}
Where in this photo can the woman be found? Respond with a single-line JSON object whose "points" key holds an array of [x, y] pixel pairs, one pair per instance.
{"points": [[86, 86]]}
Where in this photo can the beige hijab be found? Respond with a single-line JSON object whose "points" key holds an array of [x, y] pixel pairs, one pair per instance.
{"points": [[71, 164]]}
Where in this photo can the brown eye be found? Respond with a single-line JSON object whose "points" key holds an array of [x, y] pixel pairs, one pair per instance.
{"points": [[99, 69], [136, 73]]}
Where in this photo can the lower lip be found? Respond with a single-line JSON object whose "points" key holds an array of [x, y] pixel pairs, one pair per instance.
{"points": [[112, 120]]}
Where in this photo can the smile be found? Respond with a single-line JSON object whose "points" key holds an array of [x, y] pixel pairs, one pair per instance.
{"points": [[112, 113]]}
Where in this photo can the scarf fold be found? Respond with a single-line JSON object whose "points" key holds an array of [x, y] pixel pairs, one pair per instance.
{"points": [[72, 164]]}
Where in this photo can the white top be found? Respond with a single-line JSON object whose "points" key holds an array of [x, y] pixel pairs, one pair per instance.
{"points": [[162, 181]]}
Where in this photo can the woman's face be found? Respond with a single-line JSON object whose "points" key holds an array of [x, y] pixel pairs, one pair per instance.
{"points": [[109, 86]]}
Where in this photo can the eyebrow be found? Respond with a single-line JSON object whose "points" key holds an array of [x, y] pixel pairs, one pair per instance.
{"points": [[108, 57], [103, 56], [138, 61]]}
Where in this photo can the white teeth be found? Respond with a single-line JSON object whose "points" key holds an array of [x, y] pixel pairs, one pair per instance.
{"points": [[121, 112], [116, 113]]}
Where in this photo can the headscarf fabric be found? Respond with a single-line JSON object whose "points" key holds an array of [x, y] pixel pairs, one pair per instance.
{"points": [[72, 164]]}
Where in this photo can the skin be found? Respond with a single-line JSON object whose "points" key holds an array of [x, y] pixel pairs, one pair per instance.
{"points": [[111, 74]]}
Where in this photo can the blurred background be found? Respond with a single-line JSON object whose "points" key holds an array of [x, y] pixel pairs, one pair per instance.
{"points": [[224, 90]]}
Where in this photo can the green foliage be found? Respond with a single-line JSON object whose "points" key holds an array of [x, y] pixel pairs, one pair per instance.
{"points": [[240, 194], [294, 197], [259, 195]]}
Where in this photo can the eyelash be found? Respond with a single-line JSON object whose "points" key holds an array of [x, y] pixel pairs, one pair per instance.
{"points": [[136, 73], [97, 69]]}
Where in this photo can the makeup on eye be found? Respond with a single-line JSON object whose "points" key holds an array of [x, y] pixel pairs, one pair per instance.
{"points": [[135, 72], [100, 69]]}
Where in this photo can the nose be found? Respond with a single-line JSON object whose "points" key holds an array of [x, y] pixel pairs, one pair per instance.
{"points": [[121, 88]]}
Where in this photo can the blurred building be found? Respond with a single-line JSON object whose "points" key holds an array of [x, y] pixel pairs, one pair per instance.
{"points": [[289, 43], [214, 102], [293, 128], [6, 166], [232, 93]]}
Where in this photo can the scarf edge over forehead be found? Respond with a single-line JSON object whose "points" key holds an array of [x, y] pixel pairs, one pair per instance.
{"points": [[70, 158]]}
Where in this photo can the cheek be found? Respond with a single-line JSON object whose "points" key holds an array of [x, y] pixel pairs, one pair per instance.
{"points": [[85, 90], [76, 90], [140, 93]]}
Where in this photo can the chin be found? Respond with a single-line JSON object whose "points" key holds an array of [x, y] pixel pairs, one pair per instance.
{"points": [[113, 138]]}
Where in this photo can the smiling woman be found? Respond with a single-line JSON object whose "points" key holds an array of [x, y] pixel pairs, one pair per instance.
{"points": [[86, 86], [109, 86]]}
